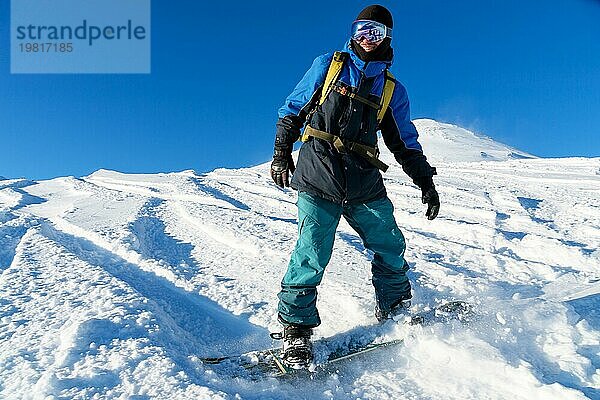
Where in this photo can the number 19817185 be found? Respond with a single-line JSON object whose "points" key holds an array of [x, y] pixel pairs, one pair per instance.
{"points": [[46, 47]]}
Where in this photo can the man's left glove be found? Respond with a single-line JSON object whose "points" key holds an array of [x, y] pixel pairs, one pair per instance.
{"points": [[432, 199], [283, 165], [429, 196]]}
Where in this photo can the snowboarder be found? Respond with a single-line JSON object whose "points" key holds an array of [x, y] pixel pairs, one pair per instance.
{"points": [[344, 99]]}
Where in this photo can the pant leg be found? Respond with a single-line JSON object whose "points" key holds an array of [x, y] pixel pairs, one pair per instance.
{"points": [[317, 222], [375, 224]]}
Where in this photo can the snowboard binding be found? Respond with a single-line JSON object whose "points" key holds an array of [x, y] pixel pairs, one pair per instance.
{"points": [[297, 352], [399, 309]]}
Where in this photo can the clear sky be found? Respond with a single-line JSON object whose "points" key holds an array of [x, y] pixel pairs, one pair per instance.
{"points": [[526, 73]]}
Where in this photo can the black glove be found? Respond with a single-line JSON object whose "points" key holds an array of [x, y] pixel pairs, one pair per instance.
{"points": [[288, 131], [432, 199], [429, 196], [282, 165]]}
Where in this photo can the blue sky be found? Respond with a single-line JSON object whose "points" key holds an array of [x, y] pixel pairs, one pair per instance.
{"points": [[526, 73]]}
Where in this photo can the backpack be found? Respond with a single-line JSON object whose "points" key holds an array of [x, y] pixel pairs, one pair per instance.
{"points": [[333, 73], [369, 153]]}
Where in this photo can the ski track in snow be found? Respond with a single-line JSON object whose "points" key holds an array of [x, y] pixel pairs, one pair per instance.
{"points": [[113, 285]]}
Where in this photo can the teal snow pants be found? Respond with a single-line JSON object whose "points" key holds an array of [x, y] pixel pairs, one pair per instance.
{"points": [[317, 223]]}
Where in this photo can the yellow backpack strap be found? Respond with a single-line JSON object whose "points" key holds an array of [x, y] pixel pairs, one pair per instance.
{"points": [[386, 96], [332, 74], [335, 68]]}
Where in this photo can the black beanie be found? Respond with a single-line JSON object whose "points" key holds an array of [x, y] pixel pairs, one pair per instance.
{"points": [[384, 51], [377, 13]]}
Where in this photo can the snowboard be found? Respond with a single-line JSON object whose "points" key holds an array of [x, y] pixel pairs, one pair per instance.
{"points": [[330, 352]]}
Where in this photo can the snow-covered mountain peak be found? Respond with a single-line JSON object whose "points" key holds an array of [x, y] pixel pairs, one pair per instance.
{"points": [[450, 143]]}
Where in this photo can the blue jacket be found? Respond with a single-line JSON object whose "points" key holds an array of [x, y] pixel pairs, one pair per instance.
{"points": [[321, 169]]}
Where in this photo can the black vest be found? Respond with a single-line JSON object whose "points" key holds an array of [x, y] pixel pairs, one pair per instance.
{"points": [[335, 176]]}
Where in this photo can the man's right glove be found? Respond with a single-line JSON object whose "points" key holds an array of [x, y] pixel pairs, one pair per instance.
{"points": [[282, 166], [288, 131]]}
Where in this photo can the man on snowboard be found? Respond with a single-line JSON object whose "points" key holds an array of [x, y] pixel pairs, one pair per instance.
{"points": [[345, 98]]}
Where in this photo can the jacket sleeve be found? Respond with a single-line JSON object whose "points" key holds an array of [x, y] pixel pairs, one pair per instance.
{"points": [[401, 137], [292, 115]]}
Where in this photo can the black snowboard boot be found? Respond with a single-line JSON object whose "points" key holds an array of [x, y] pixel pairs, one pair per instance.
{"points": [[297, 347], [401, 307]]}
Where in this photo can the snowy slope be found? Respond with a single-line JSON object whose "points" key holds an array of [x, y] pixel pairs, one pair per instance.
{"points": [[453, 143], [113, 285]]}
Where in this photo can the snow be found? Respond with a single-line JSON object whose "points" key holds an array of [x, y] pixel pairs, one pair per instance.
{"points": [[459, 144], [115, 285]]}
